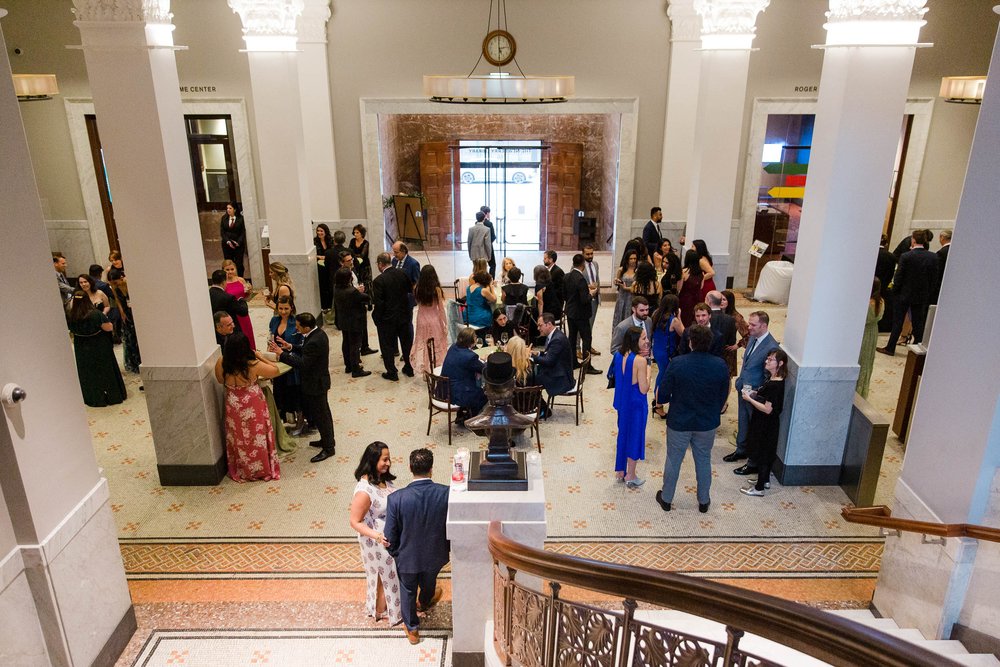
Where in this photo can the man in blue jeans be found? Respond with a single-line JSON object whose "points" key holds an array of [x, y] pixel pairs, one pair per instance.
{"points": [[696, 386]]}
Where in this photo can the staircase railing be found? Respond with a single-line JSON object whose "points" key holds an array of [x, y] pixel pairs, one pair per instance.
{"points": [[535, 626], [881, 516]]}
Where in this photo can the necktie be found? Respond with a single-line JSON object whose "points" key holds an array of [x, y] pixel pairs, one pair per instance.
{"points": [[753, 343], [590, 270], [232, 222]]}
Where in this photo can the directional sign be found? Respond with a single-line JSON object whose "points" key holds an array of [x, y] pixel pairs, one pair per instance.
{"points": [[795, 181], [786, 193], [786, 168]]}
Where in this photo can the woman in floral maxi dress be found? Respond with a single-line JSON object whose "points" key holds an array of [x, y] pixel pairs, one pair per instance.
{"points": [[368, 507]]}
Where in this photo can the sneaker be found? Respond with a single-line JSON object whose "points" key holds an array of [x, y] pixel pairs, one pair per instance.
{"points": [[751, 491]]}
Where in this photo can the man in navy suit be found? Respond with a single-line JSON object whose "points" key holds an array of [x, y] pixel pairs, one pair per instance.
{"points": [[760, 344], [416, 528], [401, 260], [651, 235], [462, 367], [696, 387], [554, 364]]}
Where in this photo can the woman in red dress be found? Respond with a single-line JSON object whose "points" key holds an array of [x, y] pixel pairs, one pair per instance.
{"points": [[705, 262], [690, 295]]}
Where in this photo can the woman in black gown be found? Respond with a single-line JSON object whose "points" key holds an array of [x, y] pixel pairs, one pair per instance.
{"points": [[100, 379]]}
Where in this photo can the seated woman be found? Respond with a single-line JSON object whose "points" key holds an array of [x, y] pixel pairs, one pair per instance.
{"points": [[462, 367], [503, 328], [505, 268], [250, 447], [479, 299], [520, 355], [515, 292]]}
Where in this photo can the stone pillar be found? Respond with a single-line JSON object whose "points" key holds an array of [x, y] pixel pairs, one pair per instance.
{"points": [[679, 123], [63, 595], [727, 32], [862, 96], [469, 516], [129, 52], [271, 39], [317, 117], [950, 473]]}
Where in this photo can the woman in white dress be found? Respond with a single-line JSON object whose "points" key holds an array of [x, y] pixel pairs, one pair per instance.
{"points": [[368, 506]]}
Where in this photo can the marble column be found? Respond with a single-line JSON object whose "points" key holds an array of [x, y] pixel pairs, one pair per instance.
{"points": [[317, 116], [679, 123], [129, 52], [950, 473], [862, 95], [63, 595], [727, 32], [270, 34]]}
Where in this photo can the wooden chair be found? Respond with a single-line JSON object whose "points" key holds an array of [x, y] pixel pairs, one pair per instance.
{"points": [[439, 400], [528, 401], [432, 353], [577, 391]]}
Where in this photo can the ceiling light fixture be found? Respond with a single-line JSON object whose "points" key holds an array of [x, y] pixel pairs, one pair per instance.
{"points": [[500, 87], [963, 89], [30, 87]]}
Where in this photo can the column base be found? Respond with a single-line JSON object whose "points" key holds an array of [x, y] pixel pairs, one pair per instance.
{"points": [[814, 423], [185, 405], [302, 269]]}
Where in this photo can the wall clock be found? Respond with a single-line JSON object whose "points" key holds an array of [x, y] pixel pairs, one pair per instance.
{"points": [[499, 47]]}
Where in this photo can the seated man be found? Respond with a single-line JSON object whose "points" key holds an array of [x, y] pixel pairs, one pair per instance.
{"points": [[462, 367], [554, 364]]}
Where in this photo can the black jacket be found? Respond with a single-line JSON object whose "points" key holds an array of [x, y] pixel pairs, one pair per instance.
{"points": [[351, 309], [312, 359], [224, 301], [391, 296], [916, 276], [578, 305]]}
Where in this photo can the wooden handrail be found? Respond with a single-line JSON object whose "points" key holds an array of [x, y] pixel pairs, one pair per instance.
{"points": [[827, 637], [881, 516]]}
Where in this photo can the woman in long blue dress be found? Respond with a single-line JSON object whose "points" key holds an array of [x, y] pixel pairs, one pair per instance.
{"points": [[631, 385], [667, 332]]}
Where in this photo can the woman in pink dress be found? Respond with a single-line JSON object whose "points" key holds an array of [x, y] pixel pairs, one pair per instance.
{"points": [[240, 289], [250, 448], [431, 321]]}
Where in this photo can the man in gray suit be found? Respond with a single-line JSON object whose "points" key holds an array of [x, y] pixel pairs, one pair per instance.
{"points": [[640, 318], [752, 374], [479, 243]]}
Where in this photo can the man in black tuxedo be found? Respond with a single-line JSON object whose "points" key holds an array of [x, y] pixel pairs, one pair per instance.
{"points": [[651, 235], [416, 537], [312, 359], [579, 300], [554, 364], [393, 315], [942, 254], [234, 236], [913, 286], [554, 303], [223, 300]]}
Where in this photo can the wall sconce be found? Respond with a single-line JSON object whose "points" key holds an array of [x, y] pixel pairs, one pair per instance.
{"points": [[35, 86], [963, 89]]}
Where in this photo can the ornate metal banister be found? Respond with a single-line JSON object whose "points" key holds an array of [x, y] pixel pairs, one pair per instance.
{"points": [[535, 628], [881, 516]]}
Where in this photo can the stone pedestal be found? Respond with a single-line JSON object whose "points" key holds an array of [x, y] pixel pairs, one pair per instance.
{"points": [[469, 516]]}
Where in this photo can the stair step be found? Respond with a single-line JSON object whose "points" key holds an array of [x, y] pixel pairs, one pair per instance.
{"points": [[948, 647], [976, 659]]}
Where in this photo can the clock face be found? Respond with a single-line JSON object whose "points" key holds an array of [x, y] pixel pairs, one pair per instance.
{"points": [[499, 47]]}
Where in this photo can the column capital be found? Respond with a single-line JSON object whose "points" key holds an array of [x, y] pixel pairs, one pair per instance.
{"points": [[874, 22], [144, 11], [729, 24], [312, 22], [268, 25], [685, 23], [876, 10]]}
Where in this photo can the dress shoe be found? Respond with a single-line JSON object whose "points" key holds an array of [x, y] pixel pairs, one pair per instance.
{"points": [[594, 351], [316, 443], [752, 491], [390, 376], [703, 507], [885, 351], [659, 501], [753, 482], [734, 457], [746, 469], [594, 371], [579, 355], [366, 351], [323, 456], [434, 600], [408, 370], [360, 373], [412, 635]]}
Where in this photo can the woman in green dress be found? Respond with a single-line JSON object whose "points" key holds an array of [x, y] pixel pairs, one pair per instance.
{"points": [[100, 378], [876, 307]]}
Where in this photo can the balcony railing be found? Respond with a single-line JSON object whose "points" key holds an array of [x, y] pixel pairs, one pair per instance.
{"points": [[536, 627], [881, 516]]}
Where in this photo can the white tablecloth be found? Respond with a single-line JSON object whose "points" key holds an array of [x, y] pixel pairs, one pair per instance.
{"points": [[774, 283]]}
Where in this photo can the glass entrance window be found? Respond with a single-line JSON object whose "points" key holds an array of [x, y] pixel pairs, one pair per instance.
{"points": [[215, 179], [506, 176]]}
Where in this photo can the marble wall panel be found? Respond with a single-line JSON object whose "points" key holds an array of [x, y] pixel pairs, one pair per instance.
{"points": [[23, 643]]}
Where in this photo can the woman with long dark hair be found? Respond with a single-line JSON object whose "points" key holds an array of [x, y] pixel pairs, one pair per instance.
{"points": [[705, 262], [323, 242], [431, 320], [690, 294], [368, 509], [100, 378], [130, 344], [250, 447], [869, 340], [646, 283], [670, 267], [100, 300], [667, 332], [631, 386], [762, 435], [742, 328], [624, 278]]}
